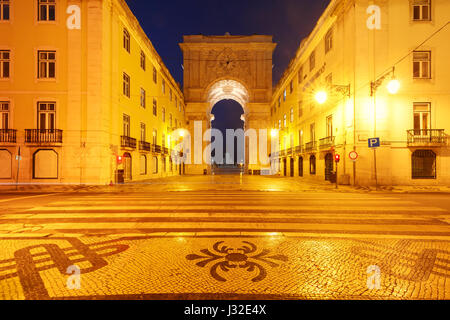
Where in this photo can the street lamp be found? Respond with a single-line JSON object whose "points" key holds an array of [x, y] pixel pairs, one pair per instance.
{"points": [[393, 86], [274, 133], [321, 96]]}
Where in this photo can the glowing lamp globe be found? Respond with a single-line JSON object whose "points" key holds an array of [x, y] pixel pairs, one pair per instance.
{"points": [[393, 86], [321, 97], [274, 133]]}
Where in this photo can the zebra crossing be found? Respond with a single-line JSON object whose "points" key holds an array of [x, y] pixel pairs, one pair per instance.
{"points": [[234, 212]]}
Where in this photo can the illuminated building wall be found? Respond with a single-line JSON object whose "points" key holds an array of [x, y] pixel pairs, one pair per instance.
{"points": [[355, 44], [79, 91]]}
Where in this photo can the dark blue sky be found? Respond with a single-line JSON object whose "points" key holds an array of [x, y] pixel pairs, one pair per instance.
{"points": [[166, 21]]}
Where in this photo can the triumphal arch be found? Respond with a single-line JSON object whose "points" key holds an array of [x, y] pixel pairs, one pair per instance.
{"points": [[226, 67]]}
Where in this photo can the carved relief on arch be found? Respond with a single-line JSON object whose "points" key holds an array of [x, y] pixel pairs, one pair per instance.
{"points": [[227, 63]]}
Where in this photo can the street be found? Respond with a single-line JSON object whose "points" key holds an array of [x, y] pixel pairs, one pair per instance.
{"points": [[224, 237]]}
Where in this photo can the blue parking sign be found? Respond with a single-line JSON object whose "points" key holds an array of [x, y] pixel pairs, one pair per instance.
{"points": [[374, 142]]}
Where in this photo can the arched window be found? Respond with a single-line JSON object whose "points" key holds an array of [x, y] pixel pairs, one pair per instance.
{"points": [[423, 164], [312, 165], [143, 163]]}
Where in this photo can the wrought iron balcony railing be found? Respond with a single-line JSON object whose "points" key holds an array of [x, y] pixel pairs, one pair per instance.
{"points": [[156, 148], [8, 135], [165, 150], [43, 136], [128, 142], [426, 137], [289, 151], [145, 146], [298, 149], [327, 142], [311, 146]]}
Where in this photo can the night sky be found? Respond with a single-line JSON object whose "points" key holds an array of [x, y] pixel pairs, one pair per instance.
{"points": [[166, 21]]}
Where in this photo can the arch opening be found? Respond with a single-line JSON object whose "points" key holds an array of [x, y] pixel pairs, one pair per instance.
{"points": [[227, 90]]}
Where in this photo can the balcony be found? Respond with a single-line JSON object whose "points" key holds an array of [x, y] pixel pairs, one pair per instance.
{"points": [[289, 151], [311, 146], [43, 136], [427, 138], [156, 148], [7, 136], [298, 149], [165, 150], [326, 143], [128, 142], [145, 146]]}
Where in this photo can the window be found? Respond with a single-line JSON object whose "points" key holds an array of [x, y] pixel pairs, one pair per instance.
{"points": [[126, 85], [312, 132], [155, 137], [421, 10], [284, 95], [143, 100], [300, 75], [292, 115], [4, 10], [47, 115], [279, 124], [142, 60], [422, 118], [279, 102], [329, 128], [422, 64], [126, 40], [312, 61], [284, 120], [155, 108], [170, 120], [163, 141], [163, 86], [46, 10], [4, 110], [170, 94], [312, 165], [143, 162], [291, 87], [423, 164], [163, 112], [46, 64], [164, 164], [143, 132], [300, 138], [300, 109], [329, 41], [126, 125], [155, 75], [5, 63]]}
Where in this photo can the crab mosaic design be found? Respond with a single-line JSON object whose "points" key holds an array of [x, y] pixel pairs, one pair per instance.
{"points": [[245, 257]]}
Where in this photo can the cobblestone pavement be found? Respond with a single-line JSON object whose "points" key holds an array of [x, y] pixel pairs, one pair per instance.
{"points": [[224, 244]]}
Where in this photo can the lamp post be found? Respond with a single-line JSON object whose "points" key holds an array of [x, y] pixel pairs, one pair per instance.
{"points": [[393, 86]]}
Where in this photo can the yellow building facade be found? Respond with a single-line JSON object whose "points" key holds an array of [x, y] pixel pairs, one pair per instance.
{"points": [[85, 98], [355, 51]]}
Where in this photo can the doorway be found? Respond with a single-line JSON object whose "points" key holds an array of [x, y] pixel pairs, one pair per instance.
{"points": [[300, 166], [328, 166], [127, 166], [292, 167]]}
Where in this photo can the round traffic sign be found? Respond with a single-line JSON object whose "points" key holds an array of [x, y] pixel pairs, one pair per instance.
{"points": [[353, 155]]}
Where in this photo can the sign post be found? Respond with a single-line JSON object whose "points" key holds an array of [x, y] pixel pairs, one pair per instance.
{"points": [[18, 158], [374, 143], [337, 158]]}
